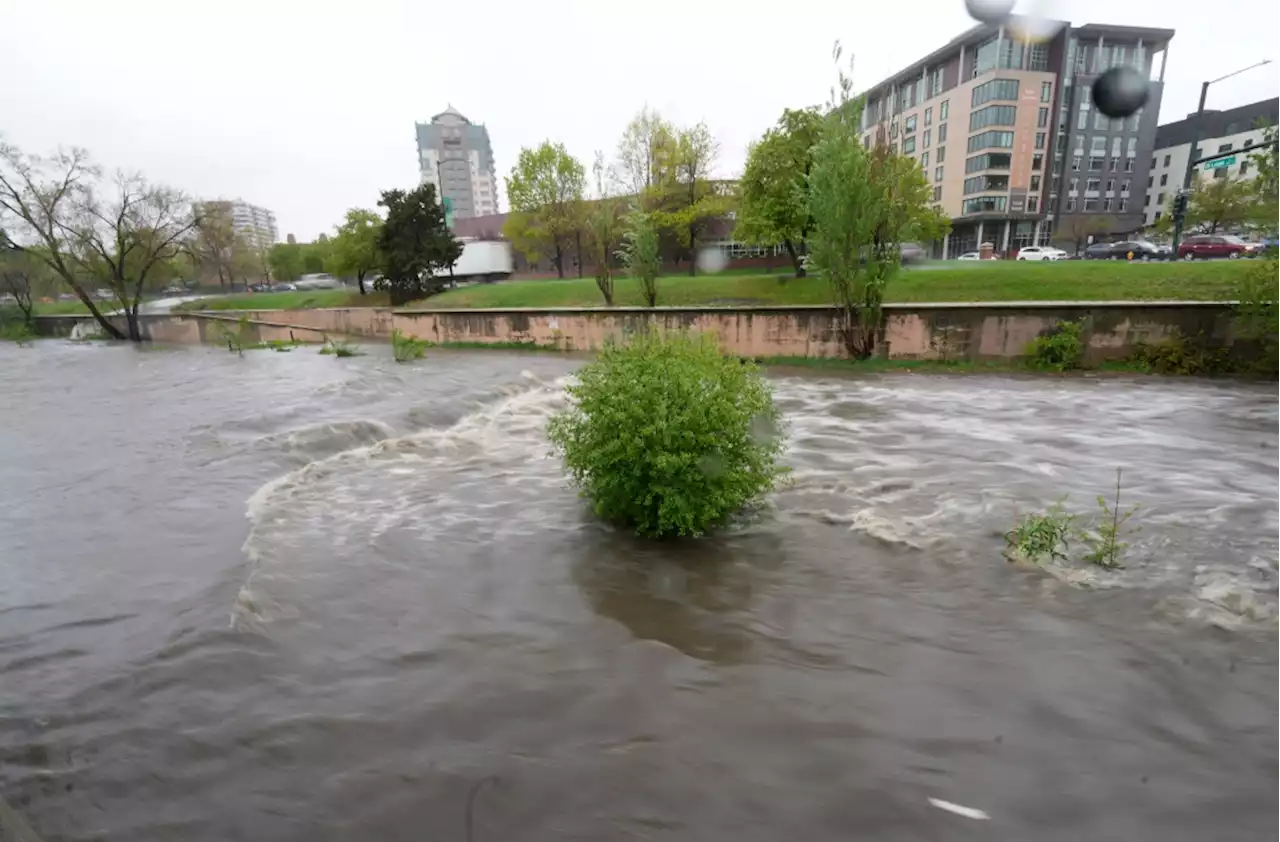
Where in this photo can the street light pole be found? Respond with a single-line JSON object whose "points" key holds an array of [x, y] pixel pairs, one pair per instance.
{"points": [[1196, 127]]}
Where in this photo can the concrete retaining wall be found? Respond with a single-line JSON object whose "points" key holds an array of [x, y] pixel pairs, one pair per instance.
{"points": [[957, 331]]}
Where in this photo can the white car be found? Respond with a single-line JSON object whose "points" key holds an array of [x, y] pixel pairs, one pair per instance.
{"points": [[970, 255], [1041, 253]]}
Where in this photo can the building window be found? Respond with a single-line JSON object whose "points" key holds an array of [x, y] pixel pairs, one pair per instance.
{"points": [[1075, 163], [1124, 204], [1092, 185], [1135, 121], [1128, 164], [910, 125], [1082, 118], [985, 204], [1148, 201], [1033, 204], [924, 160], [995, 89], [1106, 205], [1095, 164], [1166, 160], [1111, 185], [1037, 161], [1131, 148], [1220, 172], [1042, 118], [1244, 167], [937, 194], [942, 133], [942, 110], [1098, 146], [908, 145], [1100, 121], [893, 128], [1111, 165], [1115, 146], [1038, 57], [1160, 200], [942, 152], [1090, 205], [937, 174], [1046, 92], [986, 183], [1035, 182], [935, 87], [989, 161], [1164, 180], [928, 136], [1159, 214], [928, 116], [993, 115], [1124, 187], [1071, 205], [1226, 147], [1073, 186], [1003, 140], [1041, 137]]}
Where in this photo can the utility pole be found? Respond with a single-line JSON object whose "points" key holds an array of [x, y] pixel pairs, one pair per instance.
{"points": [[1196, 126]]}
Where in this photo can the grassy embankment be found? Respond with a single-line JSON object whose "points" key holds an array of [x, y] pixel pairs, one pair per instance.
{"points": [[1007, 281]]}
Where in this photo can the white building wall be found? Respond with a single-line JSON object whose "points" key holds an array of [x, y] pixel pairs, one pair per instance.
{"points": [[1171, 164]]}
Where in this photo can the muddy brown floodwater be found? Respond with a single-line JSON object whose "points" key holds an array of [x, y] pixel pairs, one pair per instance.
{"points": [[290, 597]]}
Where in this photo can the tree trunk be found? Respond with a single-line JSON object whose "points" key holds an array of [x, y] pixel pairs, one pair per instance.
{"points": [[693, 252], [578, 248], [795, 258], [360, 282], [559, 259], [107, 327], [131, 316]]}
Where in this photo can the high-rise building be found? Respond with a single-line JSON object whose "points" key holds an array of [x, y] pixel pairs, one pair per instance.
{"points": [[454, 154], [1006, 131], [1220, 131], [256, 223]]}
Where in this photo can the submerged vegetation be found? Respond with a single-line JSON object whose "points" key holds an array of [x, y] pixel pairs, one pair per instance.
{"points": [[668, 436], [405, 347], [1045, 537]]}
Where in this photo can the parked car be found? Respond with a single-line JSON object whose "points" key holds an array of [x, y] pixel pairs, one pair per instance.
{"points": [[1098, 251], [318, 281], [1205, 246], [911, 252], [1041, 253]]}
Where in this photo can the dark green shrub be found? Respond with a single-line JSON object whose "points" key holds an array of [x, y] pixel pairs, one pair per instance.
{"points": [[338, 348], [1060, 349], [1040, 536], [1181, 355], [1256, 310], [668, 436]]}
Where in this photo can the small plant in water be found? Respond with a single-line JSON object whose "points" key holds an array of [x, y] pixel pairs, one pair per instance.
{"points": [[1106, 548], [338, 348], [1040, 536], [280, 345], [239, 337], [1058, 350], [405, 347]]}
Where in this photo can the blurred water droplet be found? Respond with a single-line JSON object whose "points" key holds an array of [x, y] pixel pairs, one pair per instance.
{"points": [[1120, 91], [712, 260], [712, 465], [763, 430], [1034, 28], [989, 11]]}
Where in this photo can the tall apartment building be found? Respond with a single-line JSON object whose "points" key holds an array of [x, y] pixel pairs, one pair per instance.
{"points": [[257, 223], [1006, 131], [454, 154], [1220, 131]]}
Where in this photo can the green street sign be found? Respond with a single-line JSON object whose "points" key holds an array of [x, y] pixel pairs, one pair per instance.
{"points": [[1221, 163]]}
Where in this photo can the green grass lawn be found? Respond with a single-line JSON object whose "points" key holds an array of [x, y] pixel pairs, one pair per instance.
{"points": [[300, 300], [997, 281], [1005, 281], [71, 308]]}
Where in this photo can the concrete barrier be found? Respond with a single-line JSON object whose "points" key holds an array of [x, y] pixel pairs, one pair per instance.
{"points": [[952, 331]]}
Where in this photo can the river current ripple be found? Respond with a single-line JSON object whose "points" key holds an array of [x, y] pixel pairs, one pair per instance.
{"points": [[287, 597]]}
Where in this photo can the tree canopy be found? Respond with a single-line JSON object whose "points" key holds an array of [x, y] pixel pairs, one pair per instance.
{"points": [[354, 251], [774, 189], [414, 244], [545, 191]]}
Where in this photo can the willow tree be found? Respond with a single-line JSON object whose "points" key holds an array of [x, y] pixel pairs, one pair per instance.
{"points": [[865, 203]]}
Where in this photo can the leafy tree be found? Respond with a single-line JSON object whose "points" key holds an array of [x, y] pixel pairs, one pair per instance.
{"points": [[774, 189], [604, 227], [1219, 203], [414, 244], [1265, 208], [545, 190], [865, 204], [643, 152], [688, 200], [355, 248], [93, 233], [316, 255], [285, 260], [1077, 228], [16, 270], [215, 241], [669, 436], [640, 254]]}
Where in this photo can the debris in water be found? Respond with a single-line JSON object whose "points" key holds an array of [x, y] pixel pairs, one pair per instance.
{"points": [[959, 809]]}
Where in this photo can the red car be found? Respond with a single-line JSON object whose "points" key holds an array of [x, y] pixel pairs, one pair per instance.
{"points": [[1216, 245]]}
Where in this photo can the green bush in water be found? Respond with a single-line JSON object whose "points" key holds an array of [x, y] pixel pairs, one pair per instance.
{"points": [[668, 436], [406, 347]]}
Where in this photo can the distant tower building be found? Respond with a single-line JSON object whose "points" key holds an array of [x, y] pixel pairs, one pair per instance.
{"points": [[454, 150], [257, 224]]}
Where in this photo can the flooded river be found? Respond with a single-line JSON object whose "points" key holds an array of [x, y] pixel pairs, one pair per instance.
{"points": [[291, 597]]}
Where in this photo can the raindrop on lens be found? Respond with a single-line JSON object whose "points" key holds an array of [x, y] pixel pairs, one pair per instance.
{"points": [[989, 11], [712, 260], [1120, 91]]}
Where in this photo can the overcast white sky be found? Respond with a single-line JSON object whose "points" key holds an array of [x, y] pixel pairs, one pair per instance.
{"points": [[308, 107]]}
